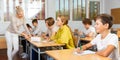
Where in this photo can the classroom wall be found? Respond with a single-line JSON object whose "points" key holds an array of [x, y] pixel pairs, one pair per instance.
{"points": [[50, 12], [110, 4]]}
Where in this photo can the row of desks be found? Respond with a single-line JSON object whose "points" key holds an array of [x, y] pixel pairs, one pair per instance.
{"points": [[61, 54], [36, 46], [65, 54], [68, 54]]}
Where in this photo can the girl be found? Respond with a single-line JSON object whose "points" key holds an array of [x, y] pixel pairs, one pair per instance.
{"points": [[64, 34]]}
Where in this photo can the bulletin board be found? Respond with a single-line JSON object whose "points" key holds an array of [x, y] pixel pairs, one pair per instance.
{"points": [[116, 15]]}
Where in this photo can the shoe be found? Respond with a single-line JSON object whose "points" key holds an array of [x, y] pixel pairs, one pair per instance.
{"points": [[25, 55], [22, 54]]}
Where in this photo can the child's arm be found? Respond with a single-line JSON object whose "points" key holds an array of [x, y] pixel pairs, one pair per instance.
{"points": [[84, 47], [107, 51], [90, 34]]}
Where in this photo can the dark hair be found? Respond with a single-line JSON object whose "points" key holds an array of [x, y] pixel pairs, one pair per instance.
{"points": [[28, 25], [87, 21], [34, 21], [50, 21], [105, 19]]}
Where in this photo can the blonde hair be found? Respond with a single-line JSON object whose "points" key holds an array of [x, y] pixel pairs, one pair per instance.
{"points": [[64, 19], [18, 9]]}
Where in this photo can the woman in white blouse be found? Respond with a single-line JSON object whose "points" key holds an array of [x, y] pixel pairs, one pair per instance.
{"points": [[13, 31], [106, 42]]}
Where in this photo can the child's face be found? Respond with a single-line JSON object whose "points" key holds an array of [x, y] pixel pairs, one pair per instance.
{"points": [[46, 23], [35, 24], [59, 22], [86, 26], [100, 27]]}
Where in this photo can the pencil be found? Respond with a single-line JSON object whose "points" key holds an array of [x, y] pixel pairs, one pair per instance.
{"points": [[80, 47]]}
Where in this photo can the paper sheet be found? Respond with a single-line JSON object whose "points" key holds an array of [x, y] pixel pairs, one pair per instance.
{"points": [[85, 52]]}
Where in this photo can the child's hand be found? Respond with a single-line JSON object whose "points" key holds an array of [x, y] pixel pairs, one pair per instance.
{"points": [[78, 50], [26, 36], [80, 33]]}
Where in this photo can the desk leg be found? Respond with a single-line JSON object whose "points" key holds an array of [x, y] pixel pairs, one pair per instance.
{"points": [[26, 47], [38, 53], [30, 52], [49, 58]]}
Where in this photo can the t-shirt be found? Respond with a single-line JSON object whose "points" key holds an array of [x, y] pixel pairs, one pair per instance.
{"points": [[36, 31], [91, 29], [64, 35], [110, 39], [50, 31]]}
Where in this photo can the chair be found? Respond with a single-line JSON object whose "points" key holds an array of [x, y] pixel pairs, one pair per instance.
{"points": [[76, 40]]}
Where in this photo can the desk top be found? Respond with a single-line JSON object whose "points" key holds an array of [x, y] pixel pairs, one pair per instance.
{"points": [[86, 39], [68, 54], [44, 43]]}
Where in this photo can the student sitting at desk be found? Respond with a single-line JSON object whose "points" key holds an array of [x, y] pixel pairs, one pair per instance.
{"points": [[36, 29], [90, 31], [107, 43], [64, 34], [52, 28]]}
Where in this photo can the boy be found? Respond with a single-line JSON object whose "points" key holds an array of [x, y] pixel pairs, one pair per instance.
{"points": [[106, 42], [36, 29], [90, 31]]}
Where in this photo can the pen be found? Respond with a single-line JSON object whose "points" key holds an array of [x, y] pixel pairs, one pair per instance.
{"points": [[80, 47]]}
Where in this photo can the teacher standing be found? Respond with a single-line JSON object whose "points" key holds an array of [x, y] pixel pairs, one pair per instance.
{"points": [[13, 31]]}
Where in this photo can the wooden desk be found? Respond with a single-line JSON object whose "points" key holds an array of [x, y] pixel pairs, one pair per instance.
{"points": [[86, 39], [3, 43], [45, 44], [36, 46], [68, 54]]}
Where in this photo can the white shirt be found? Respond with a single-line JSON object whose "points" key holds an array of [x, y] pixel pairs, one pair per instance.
{"points": [[110, 39], [36, 31], [91, 29], [50, 31], [16, 25]]}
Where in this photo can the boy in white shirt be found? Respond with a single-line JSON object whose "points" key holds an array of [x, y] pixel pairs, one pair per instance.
{"points": [[36, 30], [106, 42], [52, 28], [90, 31]]}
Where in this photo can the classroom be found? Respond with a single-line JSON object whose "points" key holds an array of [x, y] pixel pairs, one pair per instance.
{"points": [[59, 30]]}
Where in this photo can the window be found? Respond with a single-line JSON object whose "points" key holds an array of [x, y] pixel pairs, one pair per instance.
{"points": [[78, 8], [79, 12], [62, 8], [36, 9], [9, 8], [32, 8]]}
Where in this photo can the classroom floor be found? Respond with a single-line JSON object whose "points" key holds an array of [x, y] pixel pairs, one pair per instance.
{"points": [[3, 55]]}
